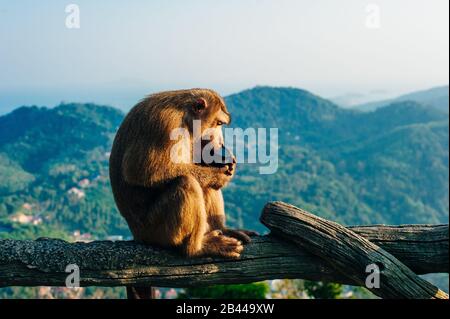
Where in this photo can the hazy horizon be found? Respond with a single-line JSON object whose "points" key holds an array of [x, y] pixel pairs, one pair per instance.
{"points": [[122, 52], [129, 99]]}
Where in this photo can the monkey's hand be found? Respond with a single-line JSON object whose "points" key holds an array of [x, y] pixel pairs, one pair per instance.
{"points": [[241, 234], [215, 177], [223, 175], [229, 169], [217, 244]]}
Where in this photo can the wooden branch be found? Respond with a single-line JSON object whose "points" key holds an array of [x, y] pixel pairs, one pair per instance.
{"points": [[103, 263], [347, 252], [423, 248], [124, 263]]}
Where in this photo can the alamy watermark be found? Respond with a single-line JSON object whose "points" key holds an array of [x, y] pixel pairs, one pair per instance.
{"points": [[73, 16], [373, 279], [255, 146], [373, 16], [73, 279]]}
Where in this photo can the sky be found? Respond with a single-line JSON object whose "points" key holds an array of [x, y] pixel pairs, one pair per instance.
{"points": [[124, 50]]}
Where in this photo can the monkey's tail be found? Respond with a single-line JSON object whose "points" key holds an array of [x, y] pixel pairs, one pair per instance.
{"points": [[137, 292]]}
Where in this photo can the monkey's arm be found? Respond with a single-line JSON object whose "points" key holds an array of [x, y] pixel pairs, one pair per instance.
{"points": [[156, 169], [210, 177], [215, 212]]}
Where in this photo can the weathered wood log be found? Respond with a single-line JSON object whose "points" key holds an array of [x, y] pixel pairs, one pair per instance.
{"points": [[347, 252], [124, 263], [105, 263], [423, 248]]}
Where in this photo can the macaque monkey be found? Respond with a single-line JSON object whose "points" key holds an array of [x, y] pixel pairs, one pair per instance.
{"points": [[174, 200]]}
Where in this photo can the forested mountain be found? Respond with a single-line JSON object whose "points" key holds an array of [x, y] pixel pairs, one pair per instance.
{"points": [[54, 166], [436, 97], [387, 166]]}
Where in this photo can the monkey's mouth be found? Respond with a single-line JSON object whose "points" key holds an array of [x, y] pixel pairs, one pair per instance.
{"points": [[230, 167], [230, 170], [220, 157]]}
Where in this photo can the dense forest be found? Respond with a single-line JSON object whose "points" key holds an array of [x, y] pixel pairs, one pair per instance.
{"points": [[385, 166]]}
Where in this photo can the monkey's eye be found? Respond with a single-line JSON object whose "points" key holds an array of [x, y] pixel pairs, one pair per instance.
{"points": [[219, 123]]}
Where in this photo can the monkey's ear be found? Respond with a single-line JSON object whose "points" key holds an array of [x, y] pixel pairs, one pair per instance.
{"points": [[199, 105]]}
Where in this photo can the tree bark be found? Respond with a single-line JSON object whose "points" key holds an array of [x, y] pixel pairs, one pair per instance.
{"points": [[42, 262], [347, 252]]}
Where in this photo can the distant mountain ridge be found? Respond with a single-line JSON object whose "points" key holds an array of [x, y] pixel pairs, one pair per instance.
{"points": [[336, 161], [437, 98], [388, 166]]}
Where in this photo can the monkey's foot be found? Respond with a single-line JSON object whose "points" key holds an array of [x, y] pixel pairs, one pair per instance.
{"points": [[240, 234], [216, 244]]}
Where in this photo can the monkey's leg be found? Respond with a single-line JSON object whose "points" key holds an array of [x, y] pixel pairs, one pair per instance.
{"points": [[178, 219], [197, 238], [215, 211]]}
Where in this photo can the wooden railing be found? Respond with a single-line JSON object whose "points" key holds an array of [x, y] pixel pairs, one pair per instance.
{"points": [[300, 245]]}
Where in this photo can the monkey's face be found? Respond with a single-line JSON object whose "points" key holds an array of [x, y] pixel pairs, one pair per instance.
{"points": [[208, 117]]}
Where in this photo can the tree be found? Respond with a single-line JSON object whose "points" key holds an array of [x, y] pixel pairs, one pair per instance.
{"points": [[241, 291], [323, 290]]}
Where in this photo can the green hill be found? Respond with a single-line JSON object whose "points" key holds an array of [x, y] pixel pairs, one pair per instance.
{"points": [[45, 154], [387, 166]]}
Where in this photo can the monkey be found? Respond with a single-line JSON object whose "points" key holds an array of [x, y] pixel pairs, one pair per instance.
{"points": [[175, 203]]}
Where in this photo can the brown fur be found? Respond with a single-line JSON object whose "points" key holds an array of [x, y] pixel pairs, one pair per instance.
{"points": [[167, 203]]}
